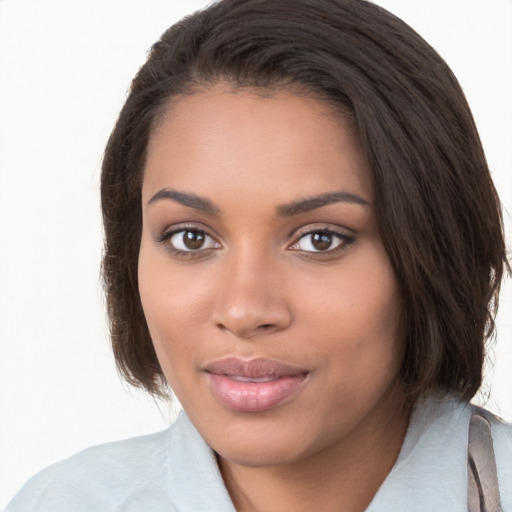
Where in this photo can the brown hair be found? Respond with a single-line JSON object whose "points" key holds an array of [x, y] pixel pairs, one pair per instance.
{"points": [[438, 211]]}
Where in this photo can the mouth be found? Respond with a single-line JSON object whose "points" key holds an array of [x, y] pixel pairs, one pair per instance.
{"points": [[255, 385]]}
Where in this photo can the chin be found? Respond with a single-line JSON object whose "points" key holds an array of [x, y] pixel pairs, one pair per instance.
{"points": [[261, 439]]}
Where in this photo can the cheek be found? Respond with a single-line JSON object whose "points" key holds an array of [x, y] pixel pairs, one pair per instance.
{"points": [[171, 304], [171, 293], [354, 319], [361, 297]]}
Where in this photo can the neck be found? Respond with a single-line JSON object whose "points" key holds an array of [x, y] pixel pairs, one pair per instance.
{"points": [[345, 476]]}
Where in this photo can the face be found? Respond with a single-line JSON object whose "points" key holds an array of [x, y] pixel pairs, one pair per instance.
{"points": [[270, 299]]}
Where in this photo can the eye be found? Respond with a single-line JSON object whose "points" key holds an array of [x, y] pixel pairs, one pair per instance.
{"points": [[190, 240], [321, 241]]}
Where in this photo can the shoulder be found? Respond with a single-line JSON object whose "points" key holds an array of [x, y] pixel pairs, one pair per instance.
{"points": [[502, 444], [435, 450], [449, 419], [164, 472], [103, 477]]}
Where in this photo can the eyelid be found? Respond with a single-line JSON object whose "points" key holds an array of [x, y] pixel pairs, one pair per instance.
{"points": [[208, 241], [169, 230], [346, 236], [166, 234]]}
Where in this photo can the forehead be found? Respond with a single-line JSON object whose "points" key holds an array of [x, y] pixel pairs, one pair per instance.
{"points": [[222, 138]]}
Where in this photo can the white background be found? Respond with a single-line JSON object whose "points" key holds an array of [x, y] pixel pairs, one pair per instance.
{"points": [[64, 70]]}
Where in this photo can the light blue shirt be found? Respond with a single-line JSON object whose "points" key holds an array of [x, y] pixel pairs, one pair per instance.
{"points": [[176, 471]]}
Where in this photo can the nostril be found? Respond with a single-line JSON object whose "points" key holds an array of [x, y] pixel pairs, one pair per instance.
{"points": [[251, 320]]}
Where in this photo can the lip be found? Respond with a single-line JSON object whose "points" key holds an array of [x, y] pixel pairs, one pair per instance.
{"points": [[254, 385]]}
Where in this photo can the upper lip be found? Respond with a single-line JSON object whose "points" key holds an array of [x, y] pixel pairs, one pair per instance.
{"points": [[253, 368]]}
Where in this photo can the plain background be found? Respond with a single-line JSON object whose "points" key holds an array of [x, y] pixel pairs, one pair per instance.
{"points": [[64, 70]]}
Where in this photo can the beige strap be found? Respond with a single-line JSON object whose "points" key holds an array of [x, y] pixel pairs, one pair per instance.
{"points": [[483, 489]]}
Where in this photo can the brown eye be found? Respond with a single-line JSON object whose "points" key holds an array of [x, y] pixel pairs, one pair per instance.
{"points": [[188, 240], [193, 240], [321, 241]]}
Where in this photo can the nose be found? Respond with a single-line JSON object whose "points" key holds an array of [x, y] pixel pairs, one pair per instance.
{"points": [[251, 298]]}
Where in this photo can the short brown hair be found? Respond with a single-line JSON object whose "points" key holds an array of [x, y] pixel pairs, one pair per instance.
{"points": [[438, 211]]}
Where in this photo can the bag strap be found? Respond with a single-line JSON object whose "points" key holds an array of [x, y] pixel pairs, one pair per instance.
{"points": [[483, 489]]}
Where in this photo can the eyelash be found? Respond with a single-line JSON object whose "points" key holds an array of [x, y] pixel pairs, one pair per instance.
{"points": [[166, 237], [344, 241]]}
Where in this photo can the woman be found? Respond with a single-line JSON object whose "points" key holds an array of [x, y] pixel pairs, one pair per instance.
{"points": [[304, 243]]}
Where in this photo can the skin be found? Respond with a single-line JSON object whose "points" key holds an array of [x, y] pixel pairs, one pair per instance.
{"points": [[258, 287]]}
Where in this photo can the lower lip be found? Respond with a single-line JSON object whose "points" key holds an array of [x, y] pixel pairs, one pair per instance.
{"points": [[254, 396]]}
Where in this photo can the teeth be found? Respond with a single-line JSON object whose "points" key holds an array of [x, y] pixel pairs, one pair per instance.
{"points": [[241, 378]]}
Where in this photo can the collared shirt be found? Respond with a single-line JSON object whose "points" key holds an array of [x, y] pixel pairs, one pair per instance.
{"points": [[176, 471]]}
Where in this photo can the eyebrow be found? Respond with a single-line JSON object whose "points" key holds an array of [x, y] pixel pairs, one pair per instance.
{"points": [[285, 210], [186, 199], [312, 203]]}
